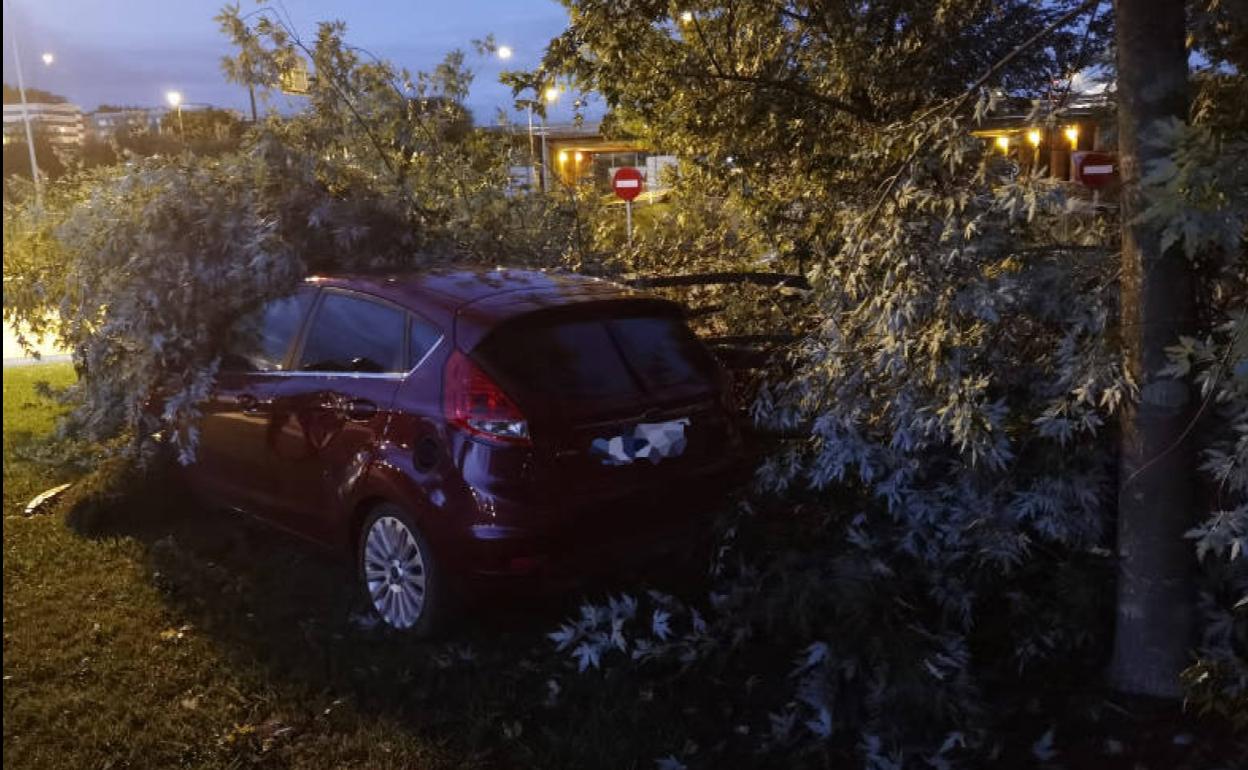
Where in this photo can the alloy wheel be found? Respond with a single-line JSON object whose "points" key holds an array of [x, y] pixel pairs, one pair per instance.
{"points": [[394, 572]]}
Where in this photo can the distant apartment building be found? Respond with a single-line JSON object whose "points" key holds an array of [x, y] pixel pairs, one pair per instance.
{"points": [[109, 121], [62, 124]]}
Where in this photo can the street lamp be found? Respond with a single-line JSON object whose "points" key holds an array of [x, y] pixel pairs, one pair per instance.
{"points": [[1034, 137], [175, 100]]}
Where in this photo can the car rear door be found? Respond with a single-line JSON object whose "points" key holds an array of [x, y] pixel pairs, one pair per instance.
{"points": [[336, 403], [620, 400], [238, 427]]}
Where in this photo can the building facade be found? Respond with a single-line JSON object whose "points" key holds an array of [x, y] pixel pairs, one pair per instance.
{"points": [[579, 154], [1086, 125], [62, 124]]}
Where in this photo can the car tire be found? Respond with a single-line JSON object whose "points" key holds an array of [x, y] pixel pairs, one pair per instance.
{"points": [[398, 574]]}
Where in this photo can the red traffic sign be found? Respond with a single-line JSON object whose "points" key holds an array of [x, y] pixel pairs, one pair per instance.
{"points": [[627, 183], [1095, 169]]}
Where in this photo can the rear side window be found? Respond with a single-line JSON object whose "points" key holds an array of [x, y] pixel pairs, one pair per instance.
{"points": [[260, 341], [421, 339], [352, 334], [599, 358], [662, 351]]}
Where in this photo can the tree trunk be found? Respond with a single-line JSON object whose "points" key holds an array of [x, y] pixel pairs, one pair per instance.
{"points": [[1152, 638]]}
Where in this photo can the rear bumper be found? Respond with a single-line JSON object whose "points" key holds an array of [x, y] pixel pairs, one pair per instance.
{"points": [[572, 557], [628, 536]]}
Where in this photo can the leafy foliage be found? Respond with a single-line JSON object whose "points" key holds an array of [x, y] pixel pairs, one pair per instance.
{"points": [[50, 159], [202, 125], [13, 95]]}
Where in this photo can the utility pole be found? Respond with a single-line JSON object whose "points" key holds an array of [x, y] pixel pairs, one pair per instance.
{"points": [[21, 90], [1156, 493]]}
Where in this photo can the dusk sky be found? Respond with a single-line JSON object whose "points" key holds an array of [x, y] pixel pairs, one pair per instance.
{"points": [[133, 51]]}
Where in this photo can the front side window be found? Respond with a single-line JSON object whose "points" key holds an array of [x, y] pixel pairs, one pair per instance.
{"points": [[351, 334], [260, 340]]}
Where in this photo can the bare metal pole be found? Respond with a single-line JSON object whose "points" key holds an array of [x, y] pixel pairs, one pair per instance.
{"points": [[532, 151], [545, 160], [21, 89]]}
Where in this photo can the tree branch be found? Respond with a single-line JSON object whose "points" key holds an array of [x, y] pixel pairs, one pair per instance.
{"points": [[774, 280], [753, 339], [960, 101], [788, 87]]}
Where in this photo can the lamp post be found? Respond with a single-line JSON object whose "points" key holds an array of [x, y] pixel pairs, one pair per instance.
{"points": [[533, 178], [21, 90], [551, 95], [504, 53], [175, 100]]}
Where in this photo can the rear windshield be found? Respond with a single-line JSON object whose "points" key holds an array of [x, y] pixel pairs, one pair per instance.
{"points": [[599, 358], [662, 351]]}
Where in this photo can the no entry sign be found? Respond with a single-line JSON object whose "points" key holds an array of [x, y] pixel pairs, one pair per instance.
{"points": [[1095, 169], [627, 183]]}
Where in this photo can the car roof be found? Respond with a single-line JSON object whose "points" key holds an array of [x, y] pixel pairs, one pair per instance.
{"points": [[472, 300]]}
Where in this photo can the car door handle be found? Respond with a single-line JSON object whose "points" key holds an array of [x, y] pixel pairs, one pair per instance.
{"points": [[252, 405], [359, 410]]}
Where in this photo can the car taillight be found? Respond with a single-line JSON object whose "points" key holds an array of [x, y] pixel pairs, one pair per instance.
{"points": [[477, 404]]}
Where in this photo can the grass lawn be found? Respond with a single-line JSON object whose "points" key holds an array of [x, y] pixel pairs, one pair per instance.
{"points": [[174, 637]]}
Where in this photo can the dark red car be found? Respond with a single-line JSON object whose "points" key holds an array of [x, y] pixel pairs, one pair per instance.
{"points": [[454, 427]]}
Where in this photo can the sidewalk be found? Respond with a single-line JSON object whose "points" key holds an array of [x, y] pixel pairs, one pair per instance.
{"points": [[56, 359], [14, 355]]}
